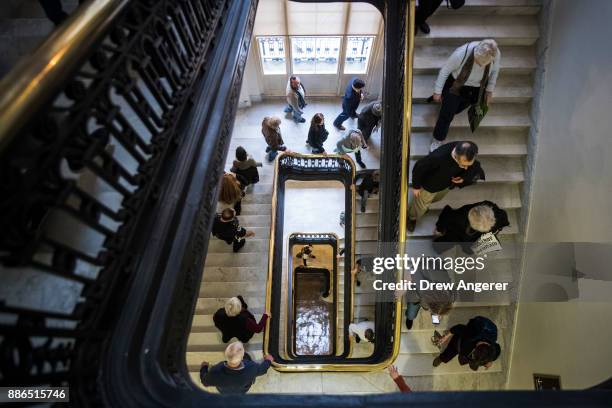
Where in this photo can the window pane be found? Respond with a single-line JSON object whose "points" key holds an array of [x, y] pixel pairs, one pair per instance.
{"points": [[272, 53], [358, 51], [315, 55]]}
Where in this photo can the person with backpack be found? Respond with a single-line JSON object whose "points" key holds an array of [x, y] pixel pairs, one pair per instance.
{"points": [[245, 167], [474, 344], [457, 87]]}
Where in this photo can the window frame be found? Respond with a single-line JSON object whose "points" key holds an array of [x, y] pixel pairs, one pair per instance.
{"points": [[340, 47], [287, 54], [370, 54]]}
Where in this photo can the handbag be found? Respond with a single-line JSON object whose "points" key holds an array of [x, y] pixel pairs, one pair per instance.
{"points": [[477, 111]]}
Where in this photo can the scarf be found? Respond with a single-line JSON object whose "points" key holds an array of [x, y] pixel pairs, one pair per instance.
{"points": [[466, 70]]}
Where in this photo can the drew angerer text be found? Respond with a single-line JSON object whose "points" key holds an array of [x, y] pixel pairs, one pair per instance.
{"points": [[427, 285]]}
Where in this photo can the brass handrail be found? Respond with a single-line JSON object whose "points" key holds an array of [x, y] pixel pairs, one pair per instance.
{"points": [[36, 78], [404, 190]]}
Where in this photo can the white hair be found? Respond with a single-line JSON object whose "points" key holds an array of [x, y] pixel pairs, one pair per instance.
{"points": [[233, 306], [234, 353], [481, 218], [485, 51]]}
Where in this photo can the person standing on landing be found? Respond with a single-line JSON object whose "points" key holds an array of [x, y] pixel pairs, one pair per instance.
{"points": [[350, 102], [459, 80], [317, 134], [296, 98]]}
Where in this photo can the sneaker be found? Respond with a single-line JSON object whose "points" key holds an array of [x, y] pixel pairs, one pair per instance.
{"points": [[340, 127], [361, 164], [409, 324], [424, 27], [437, 361], [435, 144], [300, 120], [358, 282], [363, 209], [411, 225]]}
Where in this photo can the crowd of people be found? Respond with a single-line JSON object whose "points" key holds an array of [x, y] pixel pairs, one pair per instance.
{"points": [[469, 73]]}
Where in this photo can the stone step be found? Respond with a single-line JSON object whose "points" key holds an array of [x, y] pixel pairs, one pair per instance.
{"points": [[416, 342], [248, 220], [494, 7], [515, 60], [458, 29], [234, 274], [500, 115], [249, 208], [509, 88], [494, 142], [237, 259], [230, 289], [254, 245], [506, 196], [500, 315], [421, 364], [257, 198]]}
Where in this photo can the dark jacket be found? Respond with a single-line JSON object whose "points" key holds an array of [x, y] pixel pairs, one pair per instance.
{"points": [[467, 336], [242, 327], [455, 225], [317, 135], [367, 120], [351, 99], [228, 381], [247, 170], [368, 184], [225, 230], [435, 171]]}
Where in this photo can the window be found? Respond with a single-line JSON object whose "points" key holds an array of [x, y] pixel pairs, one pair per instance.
{"points": [[272, 52], [315, 55], [357, 54]]}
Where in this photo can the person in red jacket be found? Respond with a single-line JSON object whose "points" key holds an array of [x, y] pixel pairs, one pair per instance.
{"points": [[235, 320], [399, 380]]}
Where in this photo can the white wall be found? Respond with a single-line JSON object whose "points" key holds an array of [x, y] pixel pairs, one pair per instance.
{"points": [[571, 198]]}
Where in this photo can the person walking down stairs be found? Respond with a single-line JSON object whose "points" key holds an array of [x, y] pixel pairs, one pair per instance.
{"points": [[469, 67], [452, 165], [270, 128], [245, 167], [235, 320], [352, 143], [226, 227], [237, 373]]}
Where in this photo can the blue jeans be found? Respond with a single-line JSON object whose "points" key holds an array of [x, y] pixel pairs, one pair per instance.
{"points": [[297, 116], [346, 113], [412, 310]]}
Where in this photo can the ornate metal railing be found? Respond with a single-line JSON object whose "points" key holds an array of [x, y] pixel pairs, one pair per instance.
{"points": [[94, 127]]}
